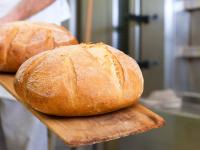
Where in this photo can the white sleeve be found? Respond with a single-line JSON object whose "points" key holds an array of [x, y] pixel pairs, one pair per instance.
{"points": [[64, 10], [57, 12]]}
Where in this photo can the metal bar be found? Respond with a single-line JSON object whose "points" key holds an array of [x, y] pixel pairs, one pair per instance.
{"points": [[192, 4], [169, 67], [73, 19], [188, 51], [115, 13], [137, 30], [115, 22], [139, 19]]}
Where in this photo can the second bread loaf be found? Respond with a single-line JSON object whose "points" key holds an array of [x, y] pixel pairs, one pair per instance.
{"points": [[21, 40]]}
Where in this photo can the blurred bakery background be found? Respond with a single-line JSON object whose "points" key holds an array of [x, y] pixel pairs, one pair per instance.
{"points": [[163, 36]]}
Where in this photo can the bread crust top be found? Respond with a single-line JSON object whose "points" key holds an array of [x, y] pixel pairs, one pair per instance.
{"points": [[79, 80], [21, 40]]}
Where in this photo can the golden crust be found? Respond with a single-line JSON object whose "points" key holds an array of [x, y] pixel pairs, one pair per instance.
{"points": [[21, 40], [79, 80]]}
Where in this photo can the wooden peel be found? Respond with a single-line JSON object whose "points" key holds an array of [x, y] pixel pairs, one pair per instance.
{"points": [[76, 131], [89, 21]]}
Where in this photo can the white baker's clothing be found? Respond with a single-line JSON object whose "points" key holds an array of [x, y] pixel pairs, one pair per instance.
{"points": [[57, 12], [22, 130]]}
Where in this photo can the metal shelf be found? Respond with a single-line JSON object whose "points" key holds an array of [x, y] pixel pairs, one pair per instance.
{"points": [[192, 5], [189, 51], [188, 110]]}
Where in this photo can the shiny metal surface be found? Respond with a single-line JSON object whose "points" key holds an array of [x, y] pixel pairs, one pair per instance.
{"points": [[194, 30], [115, 23], [182, 32], [151, 43], [187, 41], [188, 51], [187, 109], [137, 31], [137, 42], [169, 32], [180, 28], [192, 4], [190, 97], [182, 132]]}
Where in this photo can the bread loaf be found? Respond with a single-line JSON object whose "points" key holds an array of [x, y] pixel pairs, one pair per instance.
{"points": [[79, 80], [22, 40]]}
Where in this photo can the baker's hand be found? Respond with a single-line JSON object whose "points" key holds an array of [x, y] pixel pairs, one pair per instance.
{"points": [[3, 21], [26, 9]]}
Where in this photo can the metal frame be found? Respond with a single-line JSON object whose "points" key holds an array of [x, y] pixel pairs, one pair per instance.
{"points": [[169, 40], [137, 31], [73, 19]]}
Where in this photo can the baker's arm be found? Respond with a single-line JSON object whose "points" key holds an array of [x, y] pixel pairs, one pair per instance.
{"points": [[26, 9]]}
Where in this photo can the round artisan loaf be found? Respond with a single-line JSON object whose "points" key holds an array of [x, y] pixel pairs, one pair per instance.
{"points": [[79, 80], [21, 40]]}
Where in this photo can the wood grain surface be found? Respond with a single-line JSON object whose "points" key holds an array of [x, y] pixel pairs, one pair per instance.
{"points": [[76, 131]]}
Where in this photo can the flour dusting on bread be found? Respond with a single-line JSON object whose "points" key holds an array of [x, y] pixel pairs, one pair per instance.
{"points": [[80, 80]]}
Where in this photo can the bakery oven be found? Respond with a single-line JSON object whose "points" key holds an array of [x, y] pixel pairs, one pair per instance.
{"points": [[169, 42]]}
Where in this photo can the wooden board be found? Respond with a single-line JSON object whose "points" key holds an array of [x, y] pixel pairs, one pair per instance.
{"points": [[76, 131]]}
